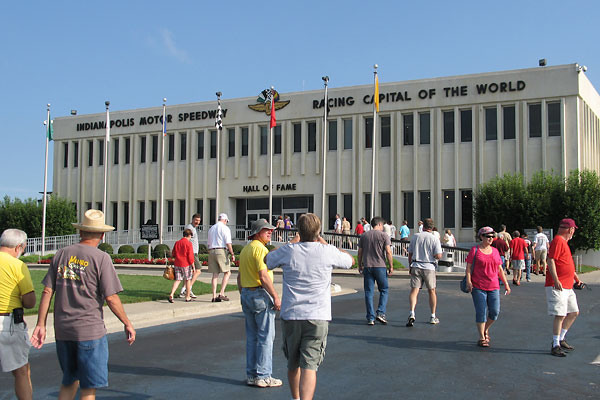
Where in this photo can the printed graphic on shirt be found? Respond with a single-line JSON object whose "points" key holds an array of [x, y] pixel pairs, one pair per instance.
{"points": [[72, 271]]}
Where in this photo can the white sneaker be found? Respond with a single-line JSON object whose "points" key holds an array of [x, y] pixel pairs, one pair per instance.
{"points": [[434, 320], [182, 294], [251, 381], [192, 295], [268, 382]]}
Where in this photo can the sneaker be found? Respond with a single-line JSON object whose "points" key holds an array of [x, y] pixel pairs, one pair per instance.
{"points": [[434, 320], [268, 382], [192, 295], [251, 381], [182, 294], [557, 352], [528, 280], [381, 318], [566, 346], [370, 322], [411, 321]]}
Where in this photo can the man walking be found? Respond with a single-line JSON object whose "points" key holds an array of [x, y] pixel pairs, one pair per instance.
{"points": [[16, 293], [260, 303], [423, 252], [507, 239], [518, 252], [82, 277], [197, 267], [562, 302], [373, 248], [540, 247], [219, 240]]}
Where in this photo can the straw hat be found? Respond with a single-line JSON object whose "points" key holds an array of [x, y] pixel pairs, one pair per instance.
{"points": [[93, 221]]}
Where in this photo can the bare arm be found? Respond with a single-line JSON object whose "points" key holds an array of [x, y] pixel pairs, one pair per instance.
{"points": [[360, 264], [115, 305], [239, 281], [553, 274], [230, 248], [28, 299], [437, 256], [390, 258], [39, 333], [267, 284]]}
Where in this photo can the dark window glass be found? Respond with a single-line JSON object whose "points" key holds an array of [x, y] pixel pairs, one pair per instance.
{"points": [[554, 119], [100, 153], [332, 135], [115, 215], [348, 208], [466, 208], [142, 212], [424, 128], [408, 129], [347, 134], [508, 122], [535, 120], [448, 126], [386, 204], [182, 219], [332, 210], [153, 211], [90, 154], [368, 132], [297, 137], [409, 208], [231, 136], [448, 208], [126, 215], [368, 206], [466, 126], [154, 148], [200, 137], [386, 131], [143, 151], [491, 124], [213, 144], [212, 212], [171, 151], [277, 139], [169, 212], [264, 140], [75, 154], [88, 205], [244, 142], [200, 207], [116, 152], [100, 207], [127, 150], [425, 201], [65, 155], [183, 146], [312, 136]]}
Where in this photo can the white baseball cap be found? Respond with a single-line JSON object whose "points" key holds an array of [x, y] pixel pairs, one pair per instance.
{"points": [[223, 216]]}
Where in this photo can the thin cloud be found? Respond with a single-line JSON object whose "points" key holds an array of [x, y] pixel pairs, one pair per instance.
{"points": [[168, 42]]}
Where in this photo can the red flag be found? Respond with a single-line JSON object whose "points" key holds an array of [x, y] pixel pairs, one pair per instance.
{"points": [[273, 120]]}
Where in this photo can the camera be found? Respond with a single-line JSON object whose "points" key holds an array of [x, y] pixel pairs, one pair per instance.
{"points": [[18, 314]]}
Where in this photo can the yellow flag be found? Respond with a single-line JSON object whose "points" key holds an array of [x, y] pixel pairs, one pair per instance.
{"points": [[376, 93]]}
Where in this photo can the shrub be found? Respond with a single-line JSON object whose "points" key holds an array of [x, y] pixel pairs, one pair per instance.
{"points": [[126, 249], [134, 256], [202, 249], [107, 248], [143, 249], [203, 257], [237, 248], [161, 251]]}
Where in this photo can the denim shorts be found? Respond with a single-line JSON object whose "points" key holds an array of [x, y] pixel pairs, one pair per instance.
{"points": [[85, 361]]}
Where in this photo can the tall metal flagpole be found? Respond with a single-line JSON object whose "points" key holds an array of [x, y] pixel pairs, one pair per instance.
{"points": [[218, 133], [270, 219], [106, 141], [48, 125], [162, 171], [374, 143], [323, 219]]}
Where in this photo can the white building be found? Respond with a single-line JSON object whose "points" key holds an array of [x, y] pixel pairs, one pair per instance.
{"points": [[437, 140]]}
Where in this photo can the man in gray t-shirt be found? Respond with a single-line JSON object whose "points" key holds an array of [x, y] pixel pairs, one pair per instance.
{"points": [[423, 252], [374, 247]]}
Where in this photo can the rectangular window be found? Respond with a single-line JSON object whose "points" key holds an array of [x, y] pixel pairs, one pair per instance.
{"points": [[466, 208], [169, 212], [100, 207], [368, 132], [213, 144], [312, 136], [297, 137], [126, 215], [75, 154], [182, 212], [424, 128], [183, 146], [466, 126], [409, 207], [264, 140], [425, 202], [491, 124], [449, 209], [332, 135], [101, 152], [199, 206], [115, 215], [448, 126], [116, 152], [171, 150], [347, 134], [368, 206], [154, 148], [142, 149], [200, 137], [554, 119], [408, 133], [332, 210], [244, 142], [231, 141], [348, 208], [386, 131], [153, 211], [535, 120], [277, 139], [508, 122], [90, 154], [127, 150], [65, 155], [386, 203], [142, 212], [88, 206], [212, 212]]}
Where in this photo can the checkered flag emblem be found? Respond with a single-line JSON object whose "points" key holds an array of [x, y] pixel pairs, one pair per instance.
{"points": [[219, 120]]}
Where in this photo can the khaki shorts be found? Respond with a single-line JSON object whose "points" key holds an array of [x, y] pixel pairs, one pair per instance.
{"points": [[218, 261], [541, 255], [304, 343], [518, 265], [197, 263], [14, 344], [561, 302], [418, 276]]}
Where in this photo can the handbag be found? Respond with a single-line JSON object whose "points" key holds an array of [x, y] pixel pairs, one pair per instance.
{"points": [[463, 283], [168, 273]]}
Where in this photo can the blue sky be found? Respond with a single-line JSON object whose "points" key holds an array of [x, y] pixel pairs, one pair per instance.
{"points": [[77, 54]]}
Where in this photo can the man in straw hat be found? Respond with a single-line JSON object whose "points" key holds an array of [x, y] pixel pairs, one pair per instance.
{"points": [[82, 277], [260, 303]]}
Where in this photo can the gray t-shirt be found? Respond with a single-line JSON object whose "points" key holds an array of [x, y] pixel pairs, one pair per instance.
{"points": [[82, 277], [423, 246], [373, 245], [307, 270], [194, 237]]}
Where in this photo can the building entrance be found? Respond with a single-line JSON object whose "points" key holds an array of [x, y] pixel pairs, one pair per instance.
{"points": [[249, 210]]}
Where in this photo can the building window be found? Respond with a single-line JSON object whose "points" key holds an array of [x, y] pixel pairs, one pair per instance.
{"points": [[200, 207], [127, 150], [408, 130], [535, 120], [332, 135], [277, 139], [231, 141], [409, 208], [142, 212], [200, 137], [448, 126], [348, 208], [169, 212], [90, 154], [347, 134], [126, 215], [244, 142], [100, 207], [101, 152], [424, 128], [368, 207], [466, 126], [212, 211], [264, 140], [554, 119], [449, 209], [425, 202], [213, 144], [386, 131], [115, 215], [368, 132], [491, 124], [183, 146], [508, 122], [153, 210], [142, 149], [116, 152], [182, 212], [154, 148], [466, 208], [312, 136], [88, 206], [386, 204], [297, 137], [65, 155], [171, 152], [332, 210], [75, 154]]}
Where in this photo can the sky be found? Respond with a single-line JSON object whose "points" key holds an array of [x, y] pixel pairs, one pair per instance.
{"points": [[78, 54]]}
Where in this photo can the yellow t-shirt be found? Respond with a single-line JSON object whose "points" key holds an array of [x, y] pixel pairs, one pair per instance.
{"points": [[252, 260], [15, 281]]}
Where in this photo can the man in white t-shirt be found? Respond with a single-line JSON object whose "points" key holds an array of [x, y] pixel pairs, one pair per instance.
{"points": [[219, 241], [337, 226], [366, 226], [540, 246]]}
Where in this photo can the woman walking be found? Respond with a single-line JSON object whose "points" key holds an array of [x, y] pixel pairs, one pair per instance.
{"points": [[184, 264], [484, 267]]}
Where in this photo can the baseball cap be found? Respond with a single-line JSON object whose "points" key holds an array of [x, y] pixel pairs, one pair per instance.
{"points": [[223, 216], [567, 223]]}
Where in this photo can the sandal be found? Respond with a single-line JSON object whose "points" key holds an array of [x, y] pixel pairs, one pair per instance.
{"points": [[223, 298], [483, 343], [170, 299]]}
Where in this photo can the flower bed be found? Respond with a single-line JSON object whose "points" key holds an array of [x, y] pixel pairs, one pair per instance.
{"points": [[143, 261]]}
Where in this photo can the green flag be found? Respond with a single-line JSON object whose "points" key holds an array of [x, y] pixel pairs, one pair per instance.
{"points": [[50, 130]]}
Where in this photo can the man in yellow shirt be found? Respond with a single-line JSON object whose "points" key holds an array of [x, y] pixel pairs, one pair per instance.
{"points": [[16, 292], [260, 302]]}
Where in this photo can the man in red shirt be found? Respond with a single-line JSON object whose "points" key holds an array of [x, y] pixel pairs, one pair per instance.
{"points": [[562, 302], [518, 249]]}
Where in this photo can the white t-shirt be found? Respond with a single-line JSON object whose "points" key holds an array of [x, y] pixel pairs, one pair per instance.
{"points": [[387, 229], [423, 246], [194, 237], [367, 227], [219, 236], [393, 231], [541, 241], [338, 225], [307, 270]]}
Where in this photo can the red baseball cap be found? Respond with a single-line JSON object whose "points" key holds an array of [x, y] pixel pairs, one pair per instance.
{"points": [[567, 223]]}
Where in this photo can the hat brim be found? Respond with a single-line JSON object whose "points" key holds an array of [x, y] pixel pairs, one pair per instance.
{"points": [[88, 228], [269, 227]]}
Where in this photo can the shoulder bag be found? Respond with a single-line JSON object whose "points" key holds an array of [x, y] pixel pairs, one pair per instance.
{"points": [[463, 283]]}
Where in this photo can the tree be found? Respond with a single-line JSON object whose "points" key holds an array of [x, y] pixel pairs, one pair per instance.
{"points": [[545, 198], [27, 216], [501, 201], [582, 203]]}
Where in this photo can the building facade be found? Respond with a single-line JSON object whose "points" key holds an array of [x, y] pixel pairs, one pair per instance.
{"points": [[437, 140]]}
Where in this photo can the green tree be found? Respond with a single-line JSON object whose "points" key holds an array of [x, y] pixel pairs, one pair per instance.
{"points": [[582, 203], [27, 216], [545, 198], [60, 214], [501, 201]]}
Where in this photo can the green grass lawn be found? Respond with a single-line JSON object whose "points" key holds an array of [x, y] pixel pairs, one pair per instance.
{"points": [[397, 264], [587, 268], [136, 288]]}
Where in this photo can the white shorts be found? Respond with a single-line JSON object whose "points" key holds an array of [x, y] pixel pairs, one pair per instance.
{"points": [[14, 344], [561, 302]]}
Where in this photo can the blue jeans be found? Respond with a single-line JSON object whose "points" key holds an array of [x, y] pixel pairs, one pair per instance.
{"points": [[372, 274], [527, 265], [260, 332], [84, 361], [486, 302]]}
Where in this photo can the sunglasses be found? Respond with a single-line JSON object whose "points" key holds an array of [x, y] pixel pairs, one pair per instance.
{"points": [[488, 236]]}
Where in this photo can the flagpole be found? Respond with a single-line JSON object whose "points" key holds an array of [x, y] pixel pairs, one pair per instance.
{"points": [[48, 130], [106, 142], [323, 220], [162, 171], [374, 141], [270, 220], [218, 159]]}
